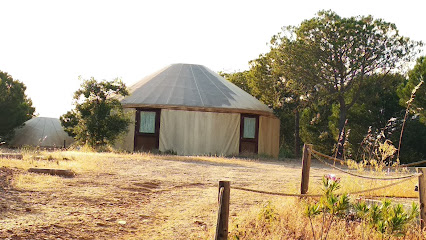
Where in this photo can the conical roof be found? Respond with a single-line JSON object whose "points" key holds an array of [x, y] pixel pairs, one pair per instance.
{"points": [[42, 132], [194, 87]]}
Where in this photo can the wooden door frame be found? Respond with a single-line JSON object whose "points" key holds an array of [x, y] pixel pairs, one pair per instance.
{"points": [[256, 134], [157, 125]]}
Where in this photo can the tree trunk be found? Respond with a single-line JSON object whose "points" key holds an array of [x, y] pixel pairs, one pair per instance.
{"points": [[342, 132], [296, 134]]}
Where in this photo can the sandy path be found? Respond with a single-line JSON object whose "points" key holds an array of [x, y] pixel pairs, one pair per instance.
{"points": [[143, 199]]}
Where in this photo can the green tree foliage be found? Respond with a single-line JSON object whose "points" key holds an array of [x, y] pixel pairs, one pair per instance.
{"points": [[337, 55], [376, 105], [377, 112], [261, 81], [295, 91], [416, 75], [413, 141], [15, 106], [98, 118], [333, 71], [314, 127], [242, 80], [412, 97]]}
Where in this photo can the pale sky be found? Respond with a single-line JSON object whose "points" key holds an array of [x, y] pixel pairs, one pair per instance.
{"points": [[48, 44]]}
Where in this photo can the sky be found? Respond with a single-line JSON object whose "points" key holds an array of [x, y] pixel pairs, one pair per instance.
{"points": [[47, 45]]}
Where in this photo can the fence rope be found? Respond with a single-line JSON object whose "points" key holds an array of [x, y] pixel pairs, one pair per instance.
{"points": [[412, 164], [328, 157], [276, 193], [318, 156], [385, 186], [345, 163], [362, 176], [319, 195]]}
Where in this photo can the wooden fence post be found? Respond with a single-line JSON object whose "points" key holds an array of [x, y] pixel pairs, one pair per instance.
{"points": [[422, 195], [223, 213], [306, 166]]}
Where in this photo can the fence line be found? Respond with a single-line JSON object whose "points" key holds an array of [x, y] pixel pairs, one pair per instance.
{"points": [[276, 193], [362, 176], [319, 195], [308, 151], [344, 162], [412, 164], [386, 186], [328, 157], [316, 153]]}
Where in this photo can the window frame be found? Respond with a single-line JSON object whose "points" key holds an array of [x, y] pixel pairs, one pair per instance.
{"points": [[157, 121], [256, 134]]}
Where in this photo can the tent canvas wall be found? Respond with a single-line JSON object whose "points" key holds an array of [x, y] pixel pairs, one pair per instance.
{"points": [[41, 132], [191, 110]]}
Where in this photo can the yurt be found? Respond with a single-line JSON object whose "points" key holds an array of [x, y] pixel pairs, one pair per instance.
{"points": [[190, 110], [41, 132]]}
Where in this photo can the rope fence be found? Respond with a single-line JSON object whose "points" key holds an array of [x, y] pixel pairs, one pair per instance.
{"points": [[412, 164], [344, 162], [361, 176], [328, 157], [319, 195], [276, 193], [308, 152], [318, 156], [385, 186]]}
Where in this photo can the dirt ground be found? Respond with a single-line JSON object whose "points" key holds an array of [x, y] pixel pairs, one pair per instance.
{"points": [[140, 199]]}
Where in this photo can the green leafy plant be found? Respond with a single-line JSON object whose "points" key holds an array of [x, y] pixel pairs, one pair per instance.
{"points": [[330, 206], [386, 219]]}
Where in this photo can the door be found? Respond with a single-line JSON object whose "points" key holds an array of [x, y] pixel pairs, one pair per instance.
{"points": [[249, 132], [147, 129]]}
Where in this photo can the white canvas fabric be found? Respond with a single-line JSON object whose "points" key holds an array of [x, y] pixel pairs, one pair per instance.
{"points": [[199, 133], [41, 132], [269, 136], [187, 86], [126, 141]]}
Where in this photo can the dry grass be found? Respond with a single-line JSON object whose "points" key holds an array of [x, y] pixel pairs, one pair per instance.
{"points": [[145, 196]]}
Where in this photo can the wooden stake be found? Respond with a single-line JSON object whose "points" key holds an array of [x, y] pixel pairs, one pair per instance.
{"points": [[306, 166], [422, 195], [223, 213]]}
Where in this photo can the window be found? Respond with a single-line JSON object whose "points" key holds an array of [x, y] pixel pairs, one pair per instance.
{"points": [[249, 127], [147, 122]]}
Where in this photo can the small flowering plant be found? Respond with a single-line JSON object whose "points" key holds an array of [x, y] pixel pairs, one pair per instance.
{"points": [[330, 206], [332, 177], [330, 184]]}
